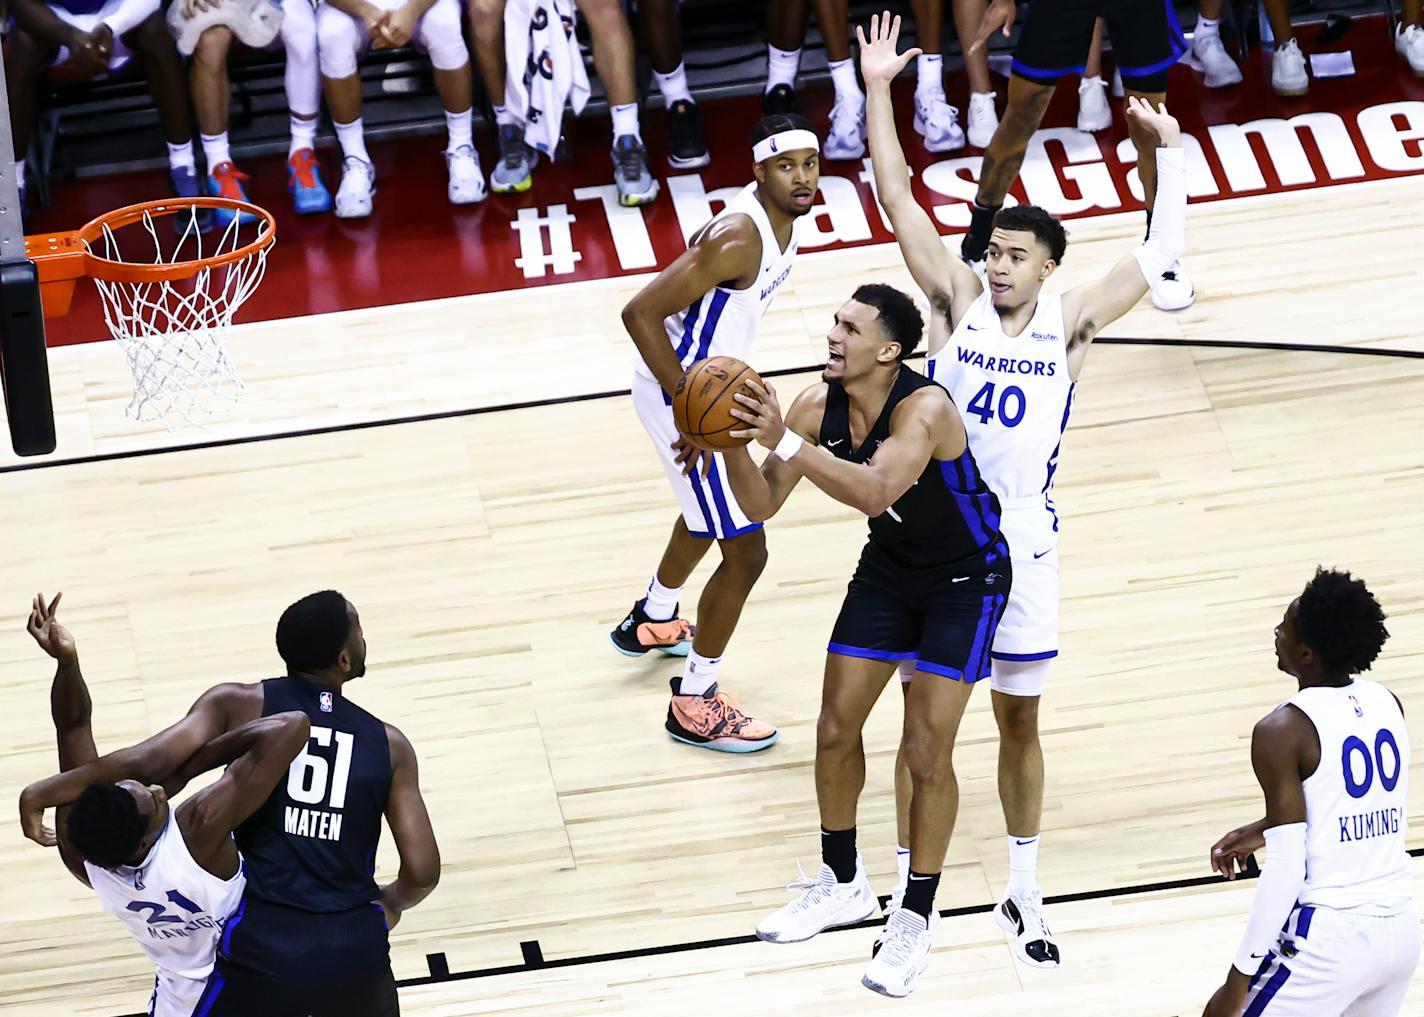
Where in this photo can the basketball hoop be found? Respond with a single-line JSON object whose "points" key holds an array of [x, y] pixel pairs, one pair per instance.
{"points": [[169, 294]]}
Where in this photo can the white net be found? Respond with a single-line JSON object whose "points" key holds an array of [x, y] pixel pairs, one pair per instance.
{"points": [[174, 332]]}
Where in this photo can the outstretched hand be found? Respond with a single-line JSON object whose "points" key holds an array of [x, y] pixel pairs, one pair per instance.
{"points": [[52, 637], [878, 59], [1168, 131]]}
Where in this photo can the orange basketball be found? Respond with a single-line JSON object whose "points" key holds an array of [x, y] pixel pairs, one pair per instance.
{"points": [[704, 399]]}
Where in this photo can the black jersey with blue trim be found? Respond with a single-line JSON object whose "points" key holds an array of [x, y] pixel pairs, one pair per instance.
{"points": [[312, 844], [947, 517]]}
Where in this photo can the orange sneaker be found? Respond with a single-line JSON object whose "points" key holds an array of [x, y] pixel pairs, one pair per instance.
{"points": [[714, 721], [637, 634]]}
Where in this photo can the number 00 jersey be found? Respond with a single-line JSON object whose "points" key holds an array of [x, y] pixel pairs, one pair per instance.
{"points": [[1357, 801], [312, 844], [1014, 393]]}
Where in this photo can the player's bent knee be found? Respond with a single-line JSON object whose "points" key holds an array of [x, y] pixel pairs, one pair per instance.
{"points": [[835, 735], [928, 756], [1017, 718], [212, 49]]}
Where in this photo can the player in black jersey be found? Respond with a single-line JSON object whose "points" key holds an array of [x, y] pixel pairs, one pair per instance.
{"points": [[310, 936], [931, 585]]}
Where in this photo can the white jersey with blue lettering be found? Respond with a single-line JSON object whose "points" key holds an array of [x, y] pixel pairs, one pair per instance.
{"points": [[723, 322], [1356, 801], [1014, 394], [172, 906]]}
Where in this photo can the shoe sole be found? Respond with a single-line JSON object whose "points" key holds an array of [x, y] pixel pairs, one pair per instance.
{"points": [[885, 991], [705, 159], [1011, 930], [1091, 129], [834, 925], [469, 201], [1176, 307], [1291, 93], [680, 650], [738, 746], [639, 200], [518, 188]]}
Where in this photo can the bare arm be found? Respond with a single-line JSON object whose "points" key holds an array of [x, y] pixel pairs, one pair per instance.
{"points": [[410, 826], [263, 748], [762, 490], [915, 435], [1090, 308], [728, 251], [41, 22], [946, 281], [153, 761]]}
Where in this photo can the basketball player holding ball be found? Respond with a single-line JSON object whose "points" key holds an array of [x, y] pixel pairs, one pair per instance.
{"points": [[708, 303]]}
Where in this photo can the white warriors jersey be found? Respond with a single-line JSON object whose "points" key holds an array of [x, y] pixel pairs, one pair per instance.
{"points": [[1357, 801], [172, 906], [723, 322], [1015, 394]]}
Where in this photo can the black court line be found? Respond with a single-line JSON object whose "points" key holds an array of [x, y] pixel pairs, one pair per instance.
{"points": [[475, 411], [534, 959]]}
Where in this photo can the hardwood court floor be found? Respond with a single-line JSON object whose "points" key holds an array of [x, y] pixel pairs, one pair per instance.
{"points": [[490, 554]]}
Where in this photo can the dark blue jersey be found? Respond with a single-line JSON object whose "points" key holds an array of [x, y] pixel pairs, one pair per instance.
{"points": [[312, 844], [947, 517]]}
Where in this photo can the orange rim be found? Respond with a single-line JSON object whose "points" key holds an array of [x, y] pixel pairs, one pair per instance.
{"points": [[75, 245]]}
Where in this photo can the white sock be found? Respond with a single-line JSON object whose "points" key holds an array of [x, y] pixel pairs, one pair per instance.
{"points": [[662, 600], [461, 129], [625, 120], [215, 150], [352, 137], [1023, 864], [699, 674], [902, 864], [504, 115], [929, 73], [1207, 26], [843, 77], [673, 85], [181, 156], [303, 135], [781, 66]]}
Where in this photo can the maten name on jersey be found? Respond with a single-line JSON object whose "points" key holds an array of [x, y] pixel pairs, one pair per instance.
{"points": [[311, 823]]}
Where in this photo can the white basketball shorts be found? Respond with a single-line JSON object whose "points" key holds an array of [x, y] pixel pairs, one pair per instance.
{"points": [[1337, 964], [175, 995], [708, 506], [1029, 629]]}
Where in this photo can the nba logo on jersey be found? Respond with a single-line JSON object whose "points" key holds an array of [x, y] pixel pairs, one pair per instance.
{"points": [[325, 700]]}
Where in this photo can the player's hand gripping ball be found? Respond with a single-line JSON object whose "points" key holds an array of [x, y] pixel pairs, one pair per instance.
{"points": [[703, 401]]}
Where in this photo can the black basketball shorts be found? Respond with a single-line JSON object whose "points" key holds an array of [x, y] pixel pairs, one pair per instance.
{"points": [[1056, 35], [275, 961], [942, 616]]}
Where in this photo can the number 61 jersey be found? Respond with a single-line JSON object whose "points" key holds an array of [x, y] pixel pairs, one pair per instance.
{"points": [[1014, 393], [312, 844]]}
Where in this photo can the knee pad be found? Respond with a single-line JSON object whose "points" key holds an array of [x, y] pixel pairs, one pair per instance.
{"points": [[442, 37], [338, 42], [254, 22], [1020, 677]]}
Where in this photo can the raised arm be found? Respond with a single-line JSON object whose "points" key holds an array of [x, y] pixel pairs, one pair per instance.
{"points": [[261, 751], [1090, 308], [761, 491], [153, 761], [1279, 745], [414, 836], [728, 251], [946, 281]]}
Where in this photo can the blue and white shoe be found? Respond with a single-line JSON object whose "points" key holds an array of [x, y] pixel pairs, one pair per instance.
{"points": [[184, 182], [225, 181]]}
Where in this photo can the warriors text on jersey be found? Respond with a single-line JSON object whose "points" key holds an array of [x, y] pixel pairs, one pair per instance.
{"points": [[723, 322]]}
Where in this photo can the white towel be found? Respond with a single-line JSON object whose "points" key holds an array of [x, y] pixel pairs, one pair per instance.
{"points": [[544, 67]]}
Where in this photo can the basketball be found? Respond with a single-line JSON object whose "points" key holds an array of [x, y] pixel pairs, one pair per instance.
{"points": [[705, 397]]}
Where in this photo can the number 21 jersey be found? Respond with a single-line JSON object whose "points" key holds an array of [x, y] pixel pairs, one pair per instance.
{"points": [[312, 844]]}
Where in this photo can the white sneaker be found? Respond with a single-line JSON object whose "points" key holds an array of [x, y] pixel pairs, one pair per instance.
{"points": [[467, 180], [937, 122], [1209, 56], [1117, 89], [1094, 113], [846, 138], [358, 187], [983, 118], [821, 904], [1288, 70], [1174, 290], [903, 951], [1021, 916], [1409, 43]]}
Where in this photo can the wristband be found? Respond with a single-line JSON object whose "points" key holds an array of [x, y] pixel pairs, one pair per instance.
{"points": [[788, 446]]}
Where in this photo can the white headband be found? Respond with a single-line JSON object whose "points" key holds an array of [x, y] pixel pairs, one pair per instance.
{"points": [[786, 141]]}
